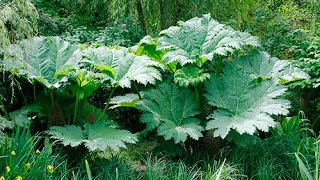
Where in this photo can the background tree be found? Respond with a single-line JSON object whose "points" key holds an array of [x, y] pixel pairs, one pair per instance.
{"points": [[18, 20]]}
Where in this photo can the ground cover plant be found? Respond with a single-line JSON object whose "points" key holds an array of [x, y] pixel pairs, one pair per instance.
{"points": [[198, 99]]}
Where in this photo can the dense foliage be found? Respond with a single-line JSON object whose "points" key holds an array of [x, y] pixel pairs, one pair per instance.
{"points": [[17, 21]]}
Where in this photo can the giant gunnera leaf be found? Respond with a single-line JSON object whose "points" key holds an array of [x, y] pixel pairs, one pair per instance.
{"points": [[102, 137], [248, 93], [201, 38], [68, 135], [42, 59], [122, 67], [171, 110], [261, 64], [97, 136]]}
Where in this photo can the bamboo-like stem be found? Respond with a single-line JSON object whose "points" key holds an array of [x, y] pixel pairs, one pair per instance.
{"points": [[76, 107], [34, 92], [3, 108], [107, 103], [51, 97], [219, 66], [172, 71], [23, 96]]}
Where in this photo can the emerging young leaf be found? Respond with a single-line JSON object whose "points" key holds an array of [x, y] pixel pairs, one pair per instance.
{"points": [[97, 136], [148, 46], [85, 83], [201, 38], [122, 67], [43, 59], [190, 76], [244, 103], [171, 110]]}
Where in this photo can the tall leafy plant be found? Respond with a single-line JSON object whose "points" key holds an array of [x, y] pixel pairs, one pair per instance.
{"points": [[196, 41], [246, 90], [59, 66], [48, 61], [118, 68]]}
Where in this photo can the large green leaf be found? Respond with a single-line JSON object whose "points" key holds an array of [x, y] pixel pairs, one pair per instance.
{"points": [[122, 67], [22, 117], [102, 137], [42, 59], [67, 135], [97, 136], [172, 110], [201, 38], [245, 101], [261, 64]]}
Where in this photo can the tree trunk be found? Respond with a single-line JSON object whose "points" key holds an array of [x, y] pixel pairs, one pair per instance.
{"points": [[141, 17], [152, 16]]}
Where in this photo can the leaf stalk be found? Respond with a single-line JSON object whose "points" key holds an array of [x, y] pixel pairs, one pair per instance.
{"points": [[107, 103]]}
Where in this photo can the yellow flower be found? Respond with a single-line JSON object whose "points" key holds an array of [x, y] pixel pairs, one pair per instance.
{"points": [[37, 151], [18, 178], [8, 169], [2, 178], [28, 165], [13, 153], [50, 168]]}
